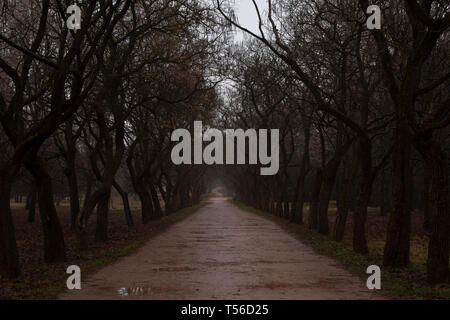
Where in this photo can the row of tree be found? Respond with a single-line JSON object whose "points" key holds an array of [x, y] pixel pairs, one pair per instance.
{"points": [[92, 110], [361, 112]]}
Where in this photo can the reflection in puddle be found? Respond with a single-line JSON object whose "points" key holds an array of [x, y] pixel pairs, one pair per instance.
{"points": [[135, 290]]}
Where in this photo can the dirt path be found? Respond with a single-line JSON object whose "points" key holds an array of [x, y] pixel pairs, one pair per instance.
{"points": [[223, 252]]}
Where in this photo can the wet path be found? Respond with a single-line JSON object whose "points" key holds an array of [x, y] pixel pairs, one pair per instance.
{"points": [[223, 252]]}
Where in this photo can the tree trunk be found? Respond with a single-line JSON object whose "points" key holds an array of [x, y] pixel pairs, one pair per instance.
{"points": [[438, 190], [157, 213], [126, 205], [73, 192], [363, 197], [127, 210], [54, 245], [299, 198], [298, 209], [101, 230], [31, 204], [9, 257], [360, 216], [272, 203], [314, 203], [426, 201], [279, 209], [397, 248], [89, 184], [146, 207], [342, 208], [384, 199], [328, 180], [286, 209], [100, 194]]}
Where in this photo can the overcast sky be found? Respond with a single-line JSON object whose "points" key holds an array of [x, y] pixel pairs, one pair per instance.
{"points": [[247, 16]]}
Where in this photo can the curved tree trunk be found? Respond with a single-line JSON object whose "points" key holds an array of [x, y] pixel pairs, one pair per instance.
{"points": [[126, 205], [82, 224]]}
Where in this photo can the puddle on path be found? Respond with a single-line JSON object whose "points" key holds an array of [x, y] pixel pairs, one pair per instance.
{"points": [[134, 291]]}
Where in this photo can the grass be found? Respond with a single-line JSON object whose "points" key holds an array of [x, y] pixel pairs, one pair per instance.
{"points": [[44, 281], [409, 283]]}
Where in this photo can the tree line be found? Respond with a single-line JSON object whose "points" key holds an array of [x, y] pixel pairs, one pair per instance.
{"points": [[363, 117], [87, 111]]}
